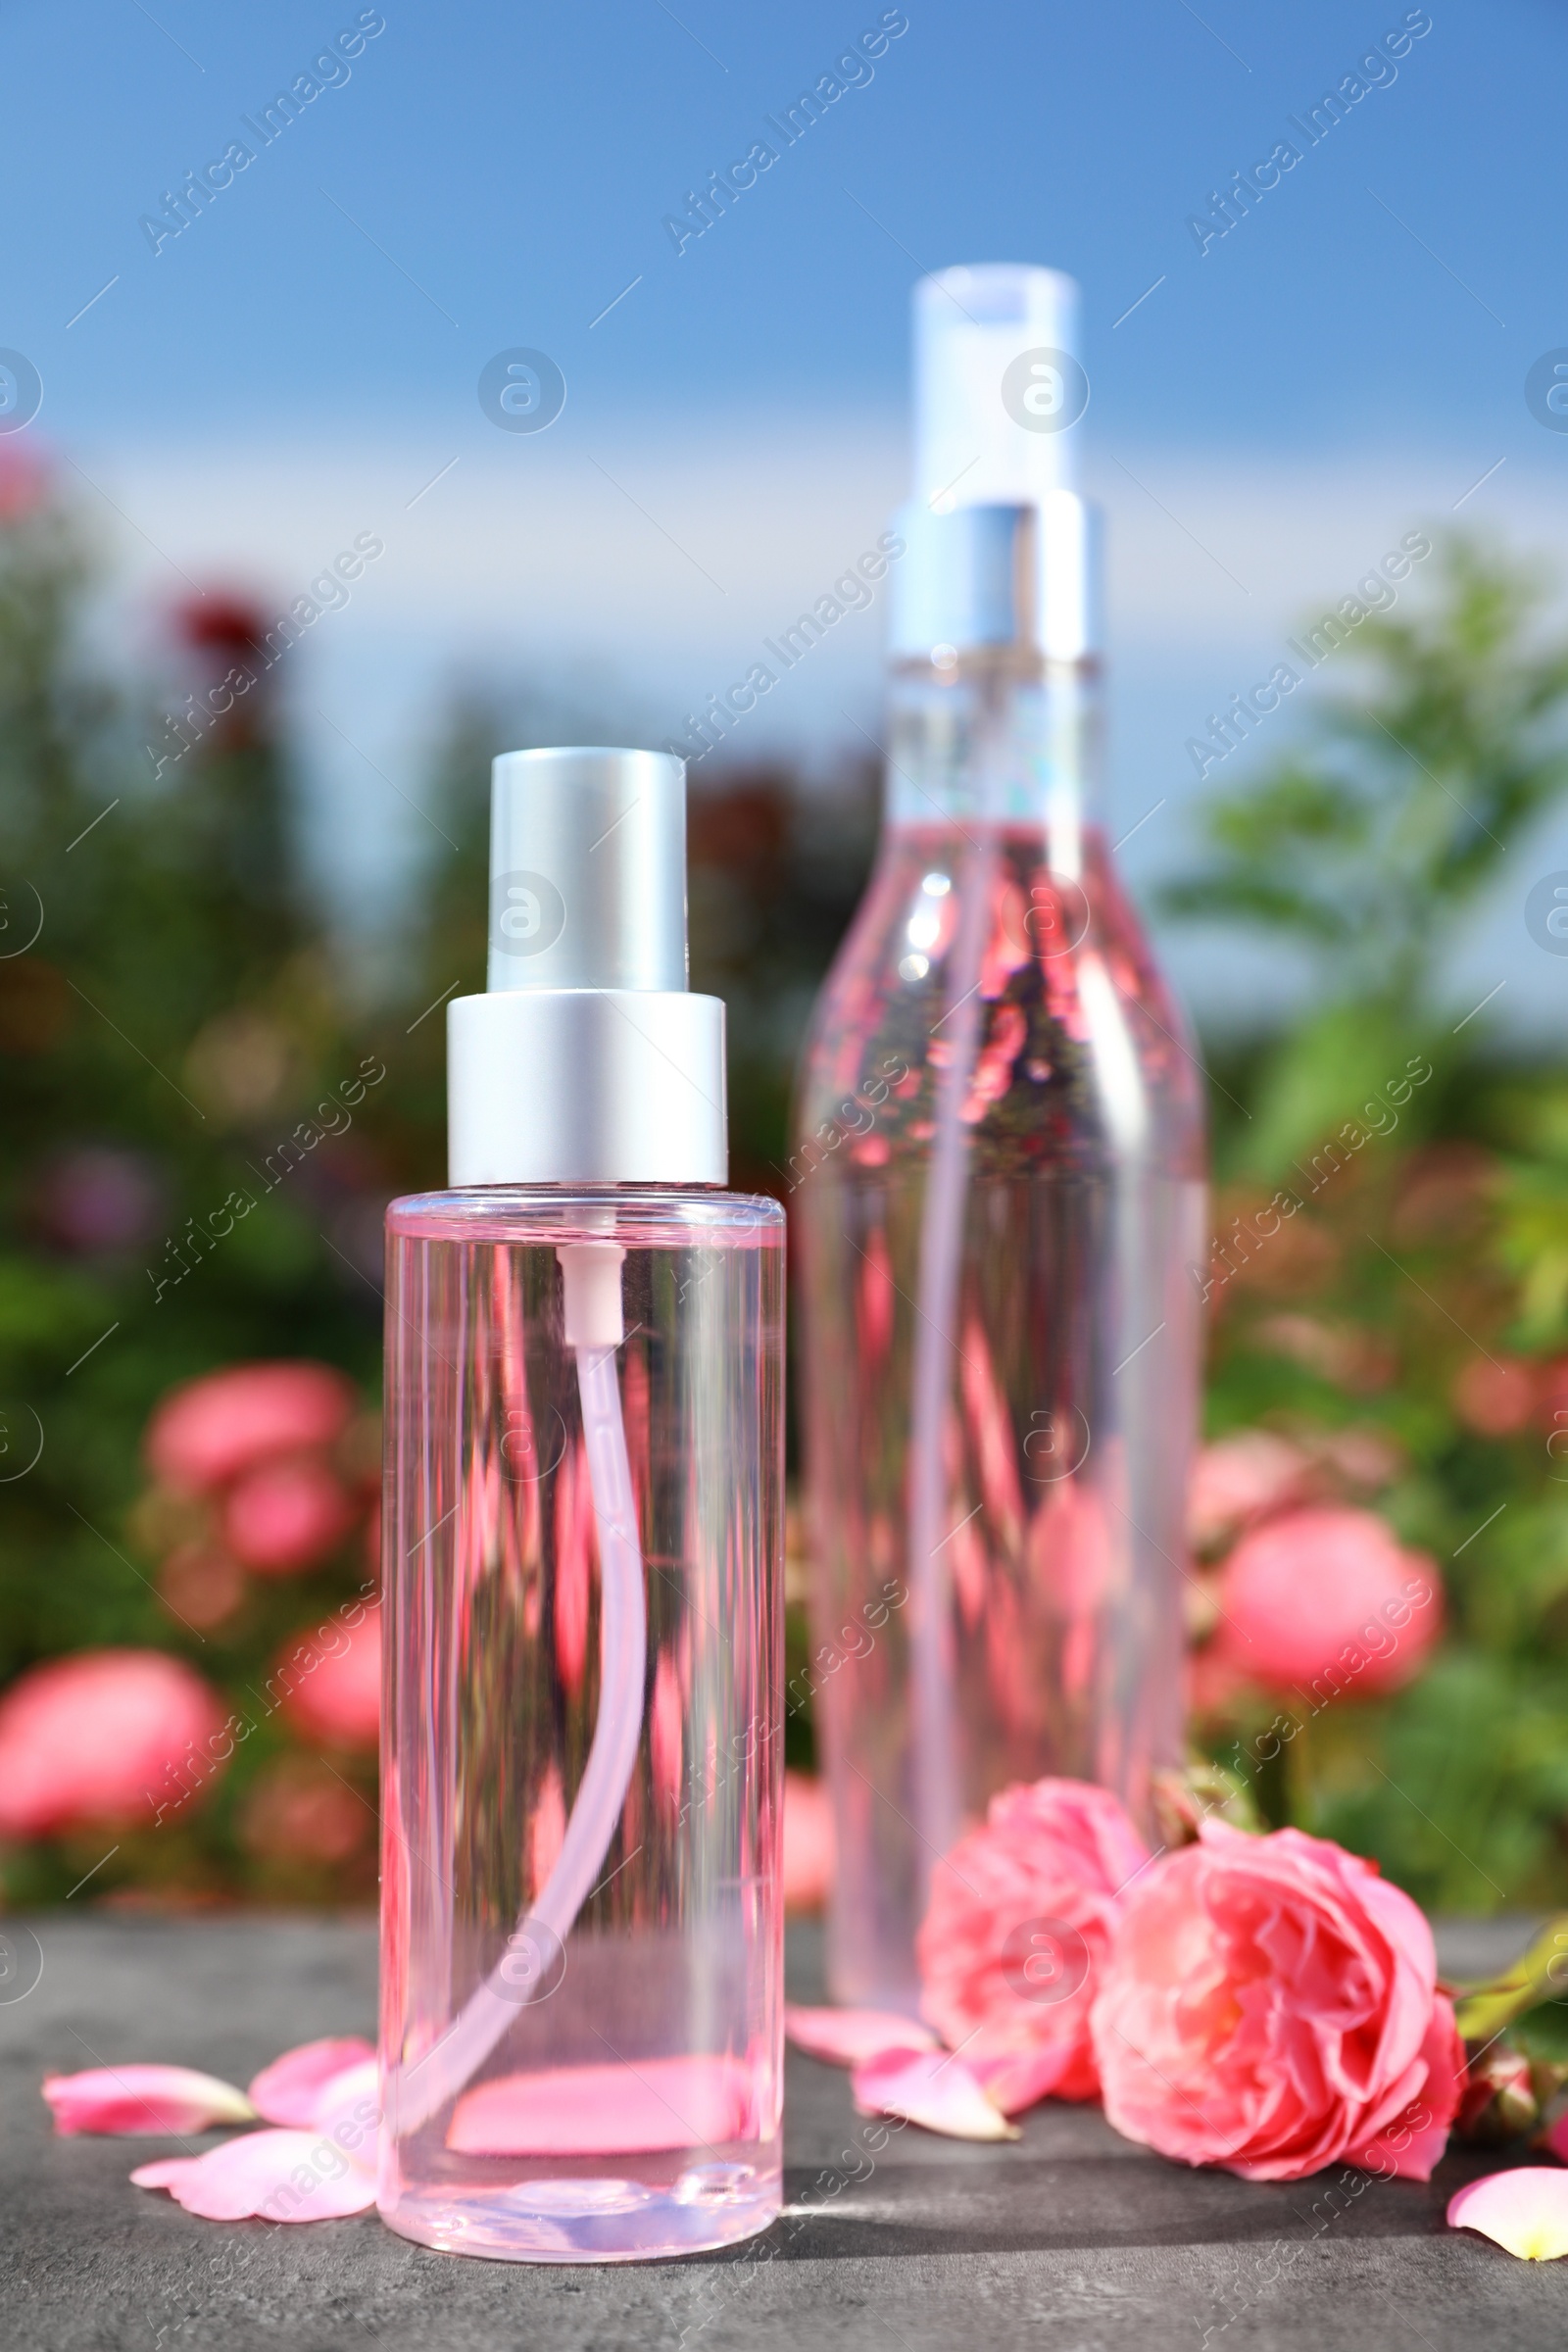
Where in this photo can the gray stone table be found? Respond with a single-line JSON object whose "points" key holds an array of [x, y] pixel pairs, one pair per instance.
{"points": [[1066, 2241]]}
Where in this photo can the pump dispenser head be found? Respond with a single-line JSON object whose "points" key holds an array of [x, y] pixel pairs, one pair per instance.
{"points": [[997, 386], [587, 1060], [1001, 548]]}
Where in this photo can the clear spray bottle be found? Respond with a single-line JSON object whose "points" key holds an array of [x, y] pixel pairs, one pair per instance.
{"points": [[581, 1938], [997, 1183]]}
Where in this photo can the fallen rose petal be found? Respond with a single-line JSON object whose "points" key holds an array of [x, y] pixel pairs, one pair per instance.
{"points": [[289, 2091], [939, 2093], [274, 2176], [1013, 2080], [850, 2036], [150, 2099], [1525, 2210], [161, 2172], [348, 2112]]}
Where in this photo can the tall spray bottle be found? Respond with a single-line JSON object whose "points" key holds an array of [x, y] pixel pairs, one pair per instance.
{"points": [[581, 1930], [997, 1183]]}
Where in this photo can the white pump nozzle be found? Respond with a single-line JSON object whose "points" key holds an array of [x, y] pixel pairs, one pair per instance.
{"points": [[1001, 548], [997, 386]]}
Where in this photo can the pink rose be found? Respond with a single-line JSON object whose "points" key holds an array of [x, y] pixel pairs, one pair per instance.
{"points": [[1019, 1924], [103, 1737], [1237, 1479], [332, 1685], [1327, 1596], [286, 1515], [1270, 2004], [213, 1428]]}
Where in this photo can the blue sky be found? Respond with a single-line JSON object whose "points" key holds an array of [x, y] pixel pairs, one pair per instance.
{"points": [[516, 162], [303, 357]]}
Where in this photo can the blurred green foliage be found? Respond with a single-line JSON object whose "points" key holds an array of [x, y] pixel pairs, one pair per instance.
{"points": [[179, 1011], [171, 1009], [1417, 1297]]}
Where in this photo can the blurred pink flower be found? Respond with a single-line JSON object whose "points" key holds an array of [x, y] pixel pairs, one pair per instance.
{"points": [[288, 1515], [152, 2099], [809, 1844], [1237, 1480], [25, 483], [1327, 1595], [1495, 1399], [212, 1429], [1020, 1920], [338, 1698], [1270, 2004], [100, 1737]]}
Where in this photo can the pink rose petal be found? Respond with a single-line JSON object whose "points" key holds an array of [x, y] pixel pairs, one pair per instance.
{"points": [[849, 2036], [152, 2099], [1015, 2080], [1525, 2210], [276, 2175], [928, 2089], [287, 2092], [161, 2172], [607, 2109]]}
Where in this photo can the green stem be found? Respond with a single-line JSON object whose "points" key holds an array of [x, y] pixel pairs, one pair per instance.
{"points": [[1539, 1974]]}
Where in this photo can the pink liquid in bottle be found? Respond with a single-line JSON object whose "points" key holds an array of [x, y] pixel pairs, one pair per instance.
{"points": [[998, 1199]]}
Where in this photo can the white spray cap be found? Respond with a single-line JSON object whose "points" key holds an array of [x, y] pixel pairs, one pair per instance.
{"points": [[587, 1060], [587, 869], [999, 385], [1000, 549]]}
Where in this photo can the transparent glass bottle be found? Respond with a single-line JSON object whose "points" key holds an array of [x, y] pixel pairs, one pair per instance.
{"points": [[630, 2102], [997, 1193], [581, 1925]]}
